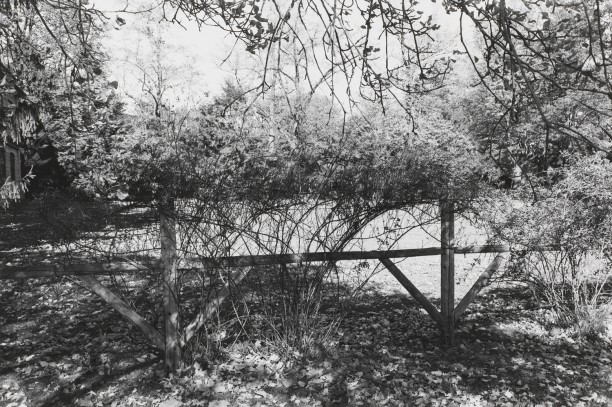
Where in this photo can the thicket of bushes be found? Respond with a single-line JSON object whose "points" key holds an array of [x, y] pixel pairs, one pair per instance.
{"points": [[573, 217]]}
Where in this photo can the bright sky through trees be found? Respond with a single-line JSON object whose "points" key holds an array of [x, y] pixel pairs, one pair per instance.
{"points": [[197, 55], [206, 56]]}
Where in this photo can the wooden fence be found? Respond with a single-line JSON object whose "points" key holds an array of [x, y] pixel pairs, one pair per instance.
{"points": [[171, 343]]}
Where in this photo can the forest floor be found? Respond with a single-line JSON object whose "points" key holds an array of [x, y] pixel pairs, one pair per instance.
{"points": [[62, 346]]}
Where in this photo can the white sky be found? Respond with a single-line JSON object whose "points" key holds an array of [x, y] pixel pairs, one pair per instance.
{"points": [[199, 54], [192, 52]]}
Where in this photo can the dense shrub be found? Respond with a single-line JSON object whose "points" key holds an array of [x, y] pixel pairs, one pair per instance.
{"points": [[574, 217]]}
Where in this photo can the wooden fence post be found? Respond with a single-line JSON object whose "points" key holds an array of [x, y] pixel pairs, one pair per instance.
{"points": [[447, 283], [167, 231]]}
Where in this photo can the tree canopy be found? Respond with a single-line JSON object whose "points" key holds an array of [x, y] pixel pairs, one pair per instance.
{"points": [[541, 67]]}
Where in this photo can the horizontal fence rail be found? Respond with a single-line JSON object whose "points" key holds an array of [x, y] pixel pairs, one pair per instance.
{"points": [[8, 272], [292, 258]]}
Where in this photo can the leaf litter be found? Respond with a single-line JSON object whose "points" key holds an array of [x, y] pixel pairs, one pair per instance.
{"points": [[385, 352]]}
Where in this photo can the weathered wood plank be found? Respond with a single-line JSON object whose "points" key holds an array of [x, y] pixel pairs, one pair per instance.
{"points": [[212, 306], [479, 284], [302, 257], [292, 258], [77, 269], [447, 275], [124, 309], [289, 258], [416, 294], [167, 230], [48, 270]]}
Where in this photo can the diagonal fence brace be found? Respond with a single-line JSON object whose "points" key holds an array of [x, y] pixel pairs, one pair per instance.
{"points": [[416, 294], [124, 309], [479, 284]]}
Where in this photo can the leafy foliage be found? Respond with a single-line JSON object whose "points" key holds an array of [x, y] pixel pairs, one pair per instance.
{"points": [[574, 219], [55, 98], [546, 68]]}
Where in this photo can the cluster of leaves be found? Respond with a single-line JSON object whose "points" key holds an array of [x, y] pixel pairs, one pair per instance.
{"points": [[52, 87], [368, 163], [281, 152], [574, 213], [545, 66], [542, 115], [70, 349], [573, 217]]}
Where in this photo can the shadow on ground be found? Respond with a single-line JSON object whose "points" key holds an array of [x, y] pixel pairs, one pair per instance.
{"points": [[60, 345]]}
